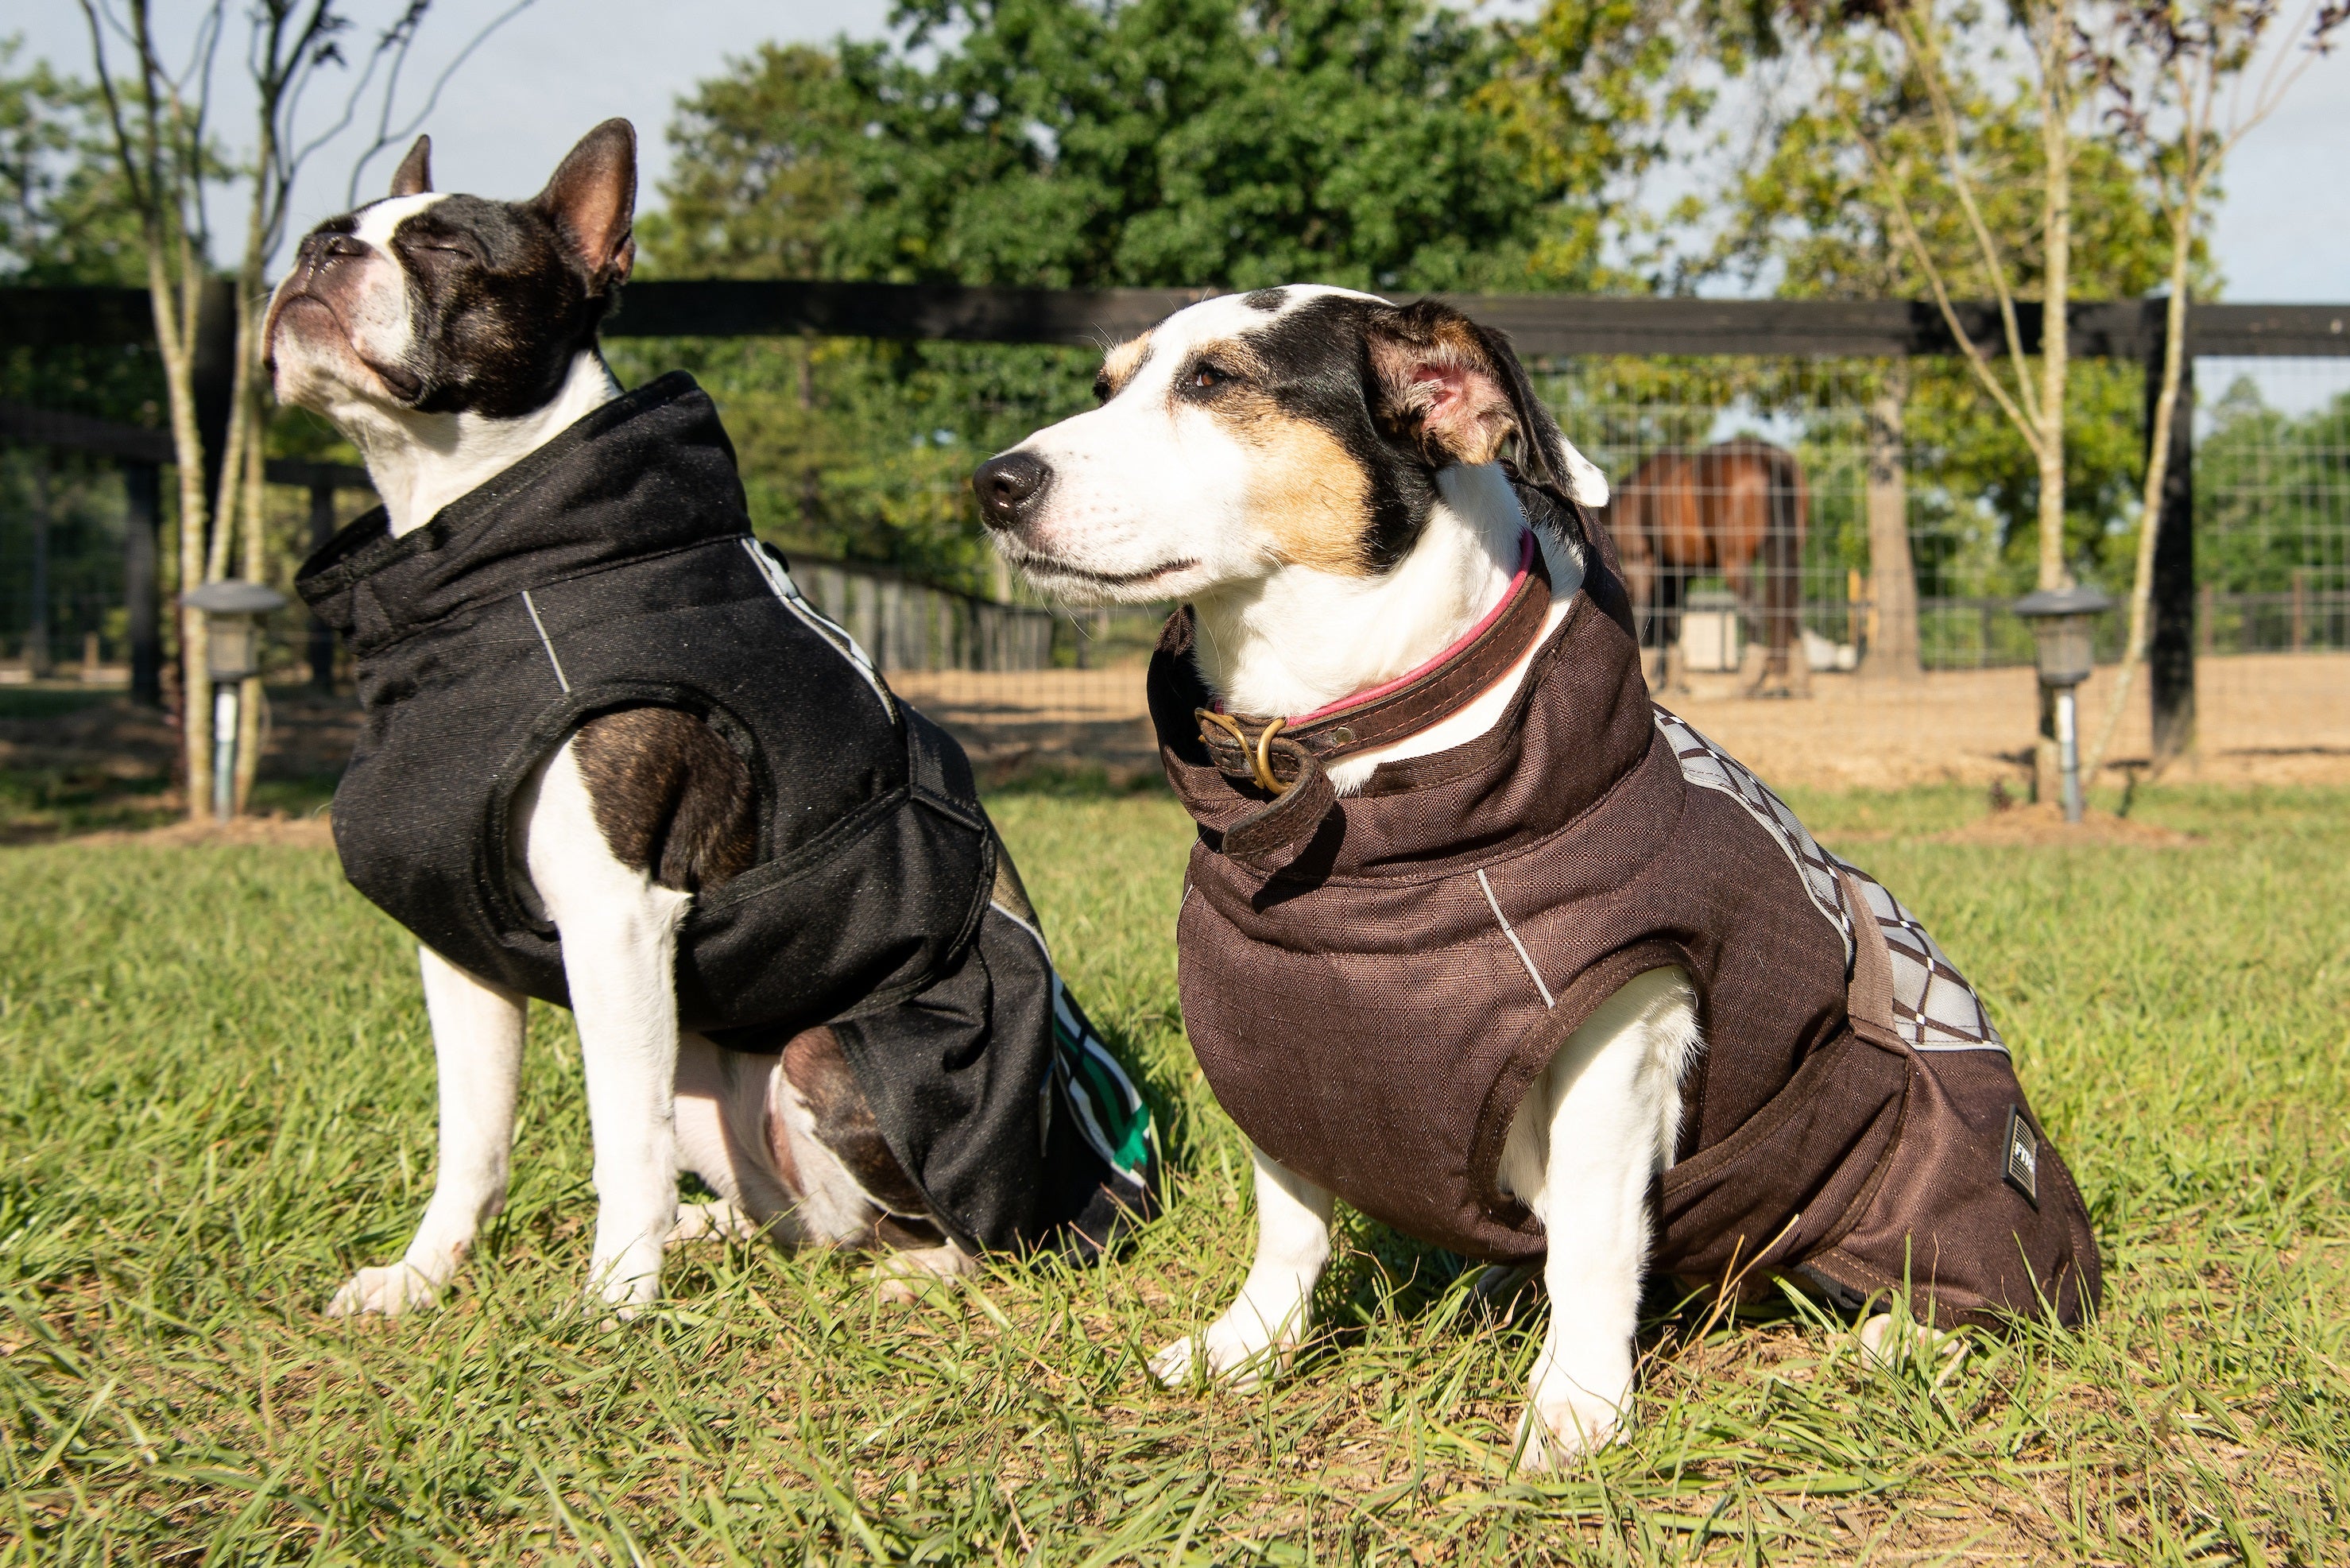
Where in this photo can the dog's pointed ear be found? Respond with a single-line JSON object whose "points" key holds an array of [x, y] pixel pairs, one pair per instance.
{"points": [[414, 175], [1456, 390], [592, 201]]}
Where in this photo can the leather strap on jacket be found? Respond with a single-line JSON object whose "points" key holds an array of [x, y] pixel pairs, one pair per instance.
{"points": [[1287, 759], [1870, 995]]}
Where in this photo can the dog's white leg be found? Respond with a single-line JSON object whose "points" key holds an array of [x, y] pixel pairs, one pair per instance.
{"points": [[1593, 1132], [1276, 1304], [619, 957], [477, 1035]]}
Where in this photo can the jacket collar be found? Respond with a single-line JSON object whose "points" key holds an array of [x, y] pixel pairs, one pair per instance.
{"points": [[649, 473], [1275, 752], [1580, 722]]}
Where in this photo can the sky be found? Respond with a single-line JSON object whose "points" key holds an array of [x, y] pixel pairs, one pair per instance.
{"points": [[558, 67]]}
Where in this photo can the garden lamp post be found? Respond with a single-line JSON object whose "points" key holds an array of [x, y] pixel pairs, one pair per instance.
{"points": [[233, 611], [2063, 624]]}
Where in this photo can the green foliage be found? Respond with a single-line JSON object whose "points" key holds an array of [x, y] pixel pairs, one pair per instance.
{"points": [[1085, 143], [216, 1098], [63, 214], [1591, 96], [758, 170], [1808, 209], [1081, 143], [1973, 486], [863, 451], [64, 218], [2271, 495], [1809, 212]]}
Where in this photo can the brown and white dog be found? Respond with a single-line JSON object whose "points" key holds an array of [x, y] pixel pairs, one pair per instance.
{"points": [[1315, 473], [448, 336]]}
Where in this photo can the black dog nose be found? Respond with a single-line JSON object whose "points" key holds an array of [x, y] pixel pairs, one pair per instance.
{"points": [[1007, 486]]}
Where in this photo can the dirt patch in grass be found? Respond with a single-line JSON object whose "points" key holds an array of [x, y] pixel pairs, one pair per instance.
{"points": [[299, 832], [75, 763], [2044, 826], [2265, 719]]}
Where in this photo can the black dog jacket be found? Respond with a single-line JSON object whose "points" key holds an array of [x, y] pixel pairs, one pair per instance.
{"points": [[614, 568]]}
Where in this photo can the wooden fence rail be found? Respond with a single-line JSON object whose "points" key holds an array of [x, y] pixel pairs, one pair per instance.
{"points": [[1540, 325]]}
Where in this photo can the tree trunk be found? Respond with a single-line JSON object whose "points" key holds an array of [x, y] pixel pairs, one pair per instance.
{"points": [[251, 699], [2056, 147], [176, 328], [1893, 577]]}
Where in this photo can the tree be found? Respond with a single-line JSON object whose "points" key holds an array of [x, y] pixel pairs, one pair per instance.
{"points": [[1907, 83], [63, 218], [2052, 85], [2168, 71], [1174, 142], [1591, 96], [156, 112], [1820, 203], [759, 170], [1076, 143], [157, 116]]}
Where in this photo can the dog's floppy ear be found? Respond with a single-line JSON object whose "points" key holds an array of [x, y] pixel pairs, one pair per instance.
{"points": [[592, 201], [414, 175], [1456, 390]]}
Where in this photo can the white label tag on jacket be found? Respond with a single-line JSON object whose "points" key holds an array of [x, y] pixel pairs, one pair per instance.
{"points": [[2023, 1159]]}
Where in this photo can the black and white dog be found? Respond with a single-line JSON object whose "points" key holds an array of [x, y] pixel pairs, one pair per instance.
{"points": [[1246, 459], [1463, 895], [450, 338]]}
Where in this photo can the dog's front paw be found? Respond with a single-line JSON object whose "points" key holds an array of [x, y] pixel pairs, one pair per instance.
{"points": [[1891, 1346], [1235, 1355], [905, 1276], [715, 1220], [385, 1292], [629, 1282], [1565, 1420]]}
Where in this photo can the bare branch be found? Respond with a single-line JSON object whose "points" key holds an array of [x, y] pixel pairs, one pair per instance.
{"points": [[387, 137], [1927, 57], [1916, 245]]}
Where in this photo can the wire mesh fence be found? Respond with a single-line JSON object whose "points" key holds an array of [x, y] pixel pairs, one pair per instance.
{"points": [[2272, 558], [1839, 518], [62, 613]]}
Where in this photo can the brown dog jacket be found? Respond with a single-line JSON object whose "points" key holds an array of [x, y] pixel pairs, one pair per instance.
{"points": [[1370, 983]]}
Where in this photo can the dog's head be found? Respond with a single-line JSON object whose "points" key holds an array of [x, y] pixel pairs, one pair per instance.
{"points": [[444, 303], [1290, 426]]}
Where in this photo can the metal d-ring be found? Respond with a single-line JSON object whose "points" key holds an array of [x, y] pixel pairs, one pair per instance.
{"points": [[1260, 758], [1262, 763]]}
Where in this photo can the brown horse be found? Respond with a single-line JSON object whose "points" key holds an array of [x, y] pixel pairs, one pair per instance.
{"points": [[1738, 508]]}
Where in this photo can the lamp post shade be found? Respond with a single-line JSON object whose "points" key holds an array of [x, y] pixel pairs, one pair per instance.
{"points": [[233, 609], [2063, 627]]}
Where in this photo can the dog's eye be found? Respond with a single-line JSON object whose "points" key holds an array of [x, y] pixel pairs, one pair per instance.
{"points": [[1205, 377], [1101, 387]]}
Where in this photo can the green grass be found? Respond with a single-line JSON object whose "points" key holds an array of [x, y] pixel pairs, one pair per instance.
{"points": [[216, 1098]]}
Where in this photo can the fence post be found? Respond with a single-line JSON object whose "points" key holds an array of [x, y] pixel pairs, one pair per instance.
{"points": [[142, 495], [322, 636], [2170, 647], [37, 633], [212, 368]]}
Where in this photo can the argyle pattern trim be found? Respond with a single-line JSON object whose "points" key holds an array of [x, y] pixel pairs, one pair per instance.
{"points": [[1708, 766], [1934, 1008]]}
